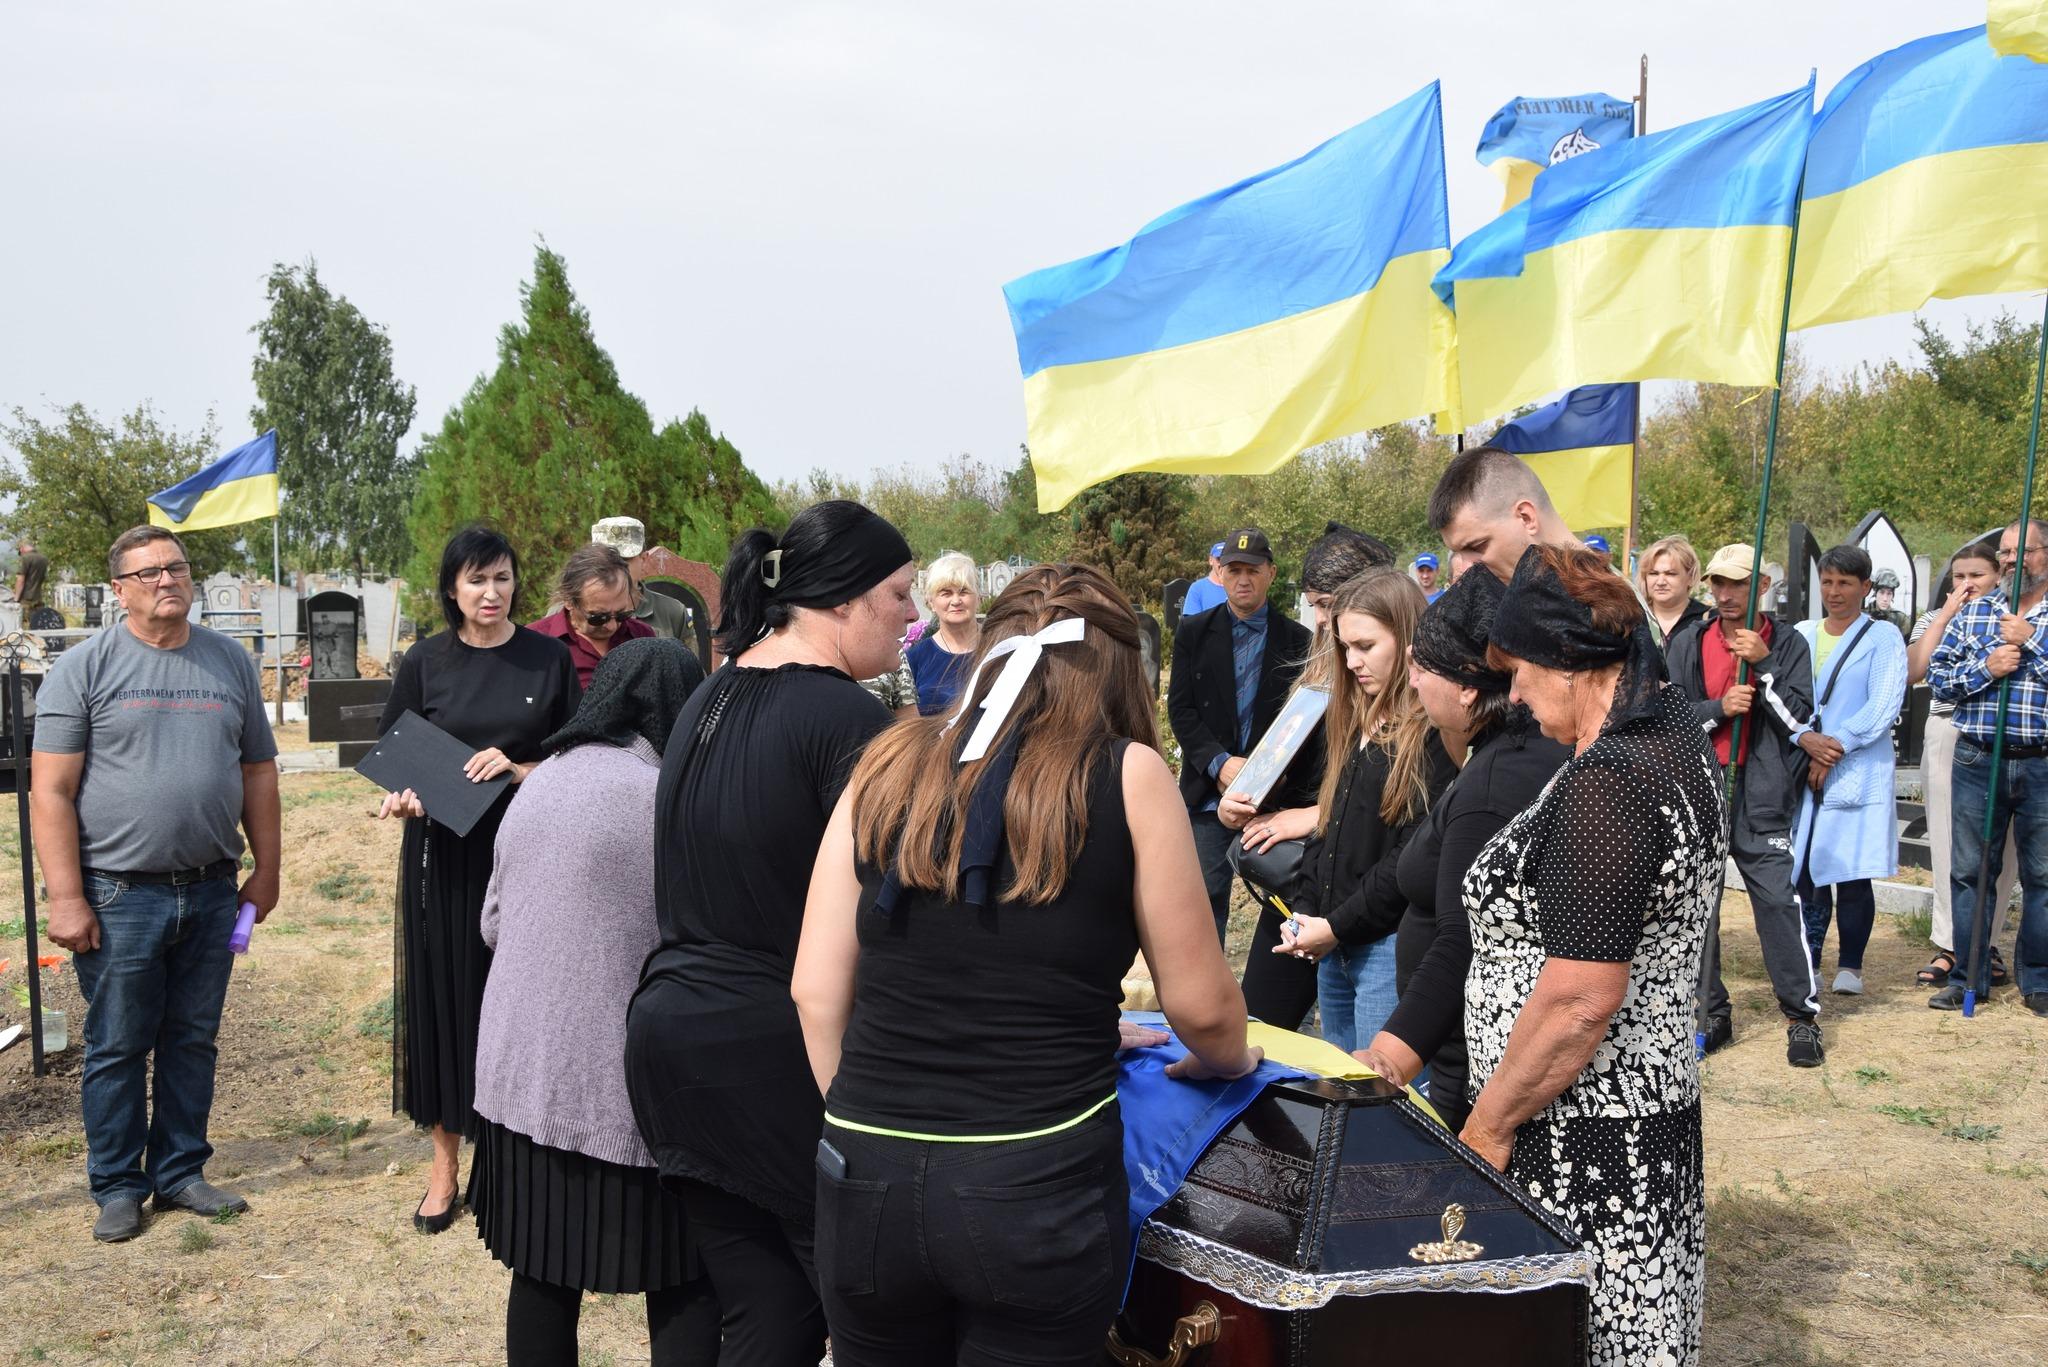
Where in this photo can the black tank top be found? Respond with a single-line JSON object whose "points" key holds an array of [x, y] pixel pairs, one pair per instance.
{"points": [[997, 1022]]}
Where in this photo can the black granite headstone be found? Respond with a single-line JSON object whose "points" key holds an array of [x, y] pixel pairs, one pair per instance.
{"points": [[335, 619], [700, 616], [1148, 647], [1171, 596]]}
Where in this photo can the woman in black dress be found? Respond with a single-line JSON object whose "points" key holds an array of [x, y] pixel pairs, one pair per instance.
{"points": [[715, 1064], [504, 690]]}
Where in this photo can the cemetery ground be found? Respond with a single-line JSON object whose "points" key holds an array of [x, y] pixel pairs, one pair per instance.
{"points": [[1891, 1207]]}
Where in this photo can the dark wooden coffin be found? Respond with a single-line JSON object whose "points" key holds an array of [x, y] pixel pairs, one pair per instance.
{"points": [[1319, 1230]]}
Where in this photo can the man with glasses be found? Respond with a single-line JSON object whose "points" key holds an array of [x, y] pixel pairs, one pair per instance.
{"points": [[153, 757], [595, 608]]}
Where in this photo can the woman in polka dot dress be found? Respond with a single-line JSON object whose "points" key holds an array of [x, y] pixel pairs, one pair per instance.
{"points": [[1588, 912]]}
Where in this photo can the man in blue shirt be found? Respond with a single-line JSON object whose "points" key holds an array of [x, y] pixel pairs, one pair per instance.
{"points": [[1206, 593], [1986, 643], [1232, 670], [1425, 575]]}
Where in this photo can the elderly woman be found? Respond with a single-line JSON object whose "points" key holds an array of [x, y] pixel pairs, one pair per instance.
{"points": [[1502, 767], [939, 659], [570, 916], [1588, 912], [594, 605], [1666, 576]]}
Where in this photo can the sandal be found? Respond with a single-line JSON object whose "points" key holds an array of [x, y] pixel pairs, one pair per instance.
{"points": [[1938, 968], [1999, 976]]}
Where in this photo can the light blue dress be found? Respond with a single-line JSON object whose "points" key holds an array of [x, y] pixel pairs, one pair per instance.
{"points": [[1858, 834]]}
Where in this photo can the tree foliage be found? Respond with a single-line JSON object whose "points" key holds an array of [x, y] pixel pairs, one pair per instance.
{"points": [[78, 483], [1137, 529], [324, 381]]}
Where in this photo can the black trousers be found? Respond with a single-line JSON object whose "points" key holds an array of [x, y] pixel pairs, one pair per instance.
{"points": [[1279, 989], [984, 1255], [540, 1324], [760, 1270]]}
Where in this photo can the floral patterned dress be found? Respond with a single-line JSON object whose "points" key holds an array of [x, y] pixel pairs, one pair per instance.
{"points": [[1619, 861]]}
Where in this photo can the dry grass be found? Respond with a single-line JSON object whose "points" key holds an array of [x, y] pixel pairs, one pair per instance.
{"points": [[1889, 1208]]}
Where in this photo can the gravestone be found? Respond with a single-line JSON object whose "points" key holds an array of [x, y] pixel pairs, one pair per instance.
{"points": [[1148, 647], [335, 621], [659, 563], [1171, 596], [698, 616], [341, 706], [95, 605]]}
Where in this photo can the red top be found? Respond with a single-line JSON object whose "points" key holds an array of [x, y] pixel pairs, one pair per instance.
{"points": [[585, 656], [1717, 673]]}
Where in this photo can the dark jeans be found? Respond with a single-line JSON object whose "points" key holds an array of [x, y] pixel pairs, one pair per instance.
{"points": [[156, 983], [1212, 848], [1001, 1254], [2022, 806], [540, 1324], [760, 1270], [1853, 904]]}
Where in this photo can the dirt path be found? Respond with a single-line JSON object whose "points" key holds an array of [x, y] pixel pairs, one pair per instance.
{"points": [[1889, 1208]]}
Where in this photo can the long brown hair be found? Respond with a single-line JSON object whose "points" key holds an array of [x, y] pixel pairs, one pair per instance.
{"points": [[910, 797], [1394, 720]]}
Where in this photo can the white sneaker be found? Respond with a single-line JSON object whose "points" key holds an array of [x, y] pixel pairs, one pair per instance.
{"points": [[1849, 982]]}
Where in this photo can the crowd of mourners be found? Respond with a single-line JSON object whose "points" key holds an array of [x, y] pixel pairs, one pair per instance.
{"points": [[789, 997]]}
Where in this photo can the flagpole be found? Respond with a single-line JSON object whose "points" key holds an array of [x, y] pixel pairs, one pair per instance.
{"points": [[277, 579], [1635, 425], [1763, 507], [1981, 919]]}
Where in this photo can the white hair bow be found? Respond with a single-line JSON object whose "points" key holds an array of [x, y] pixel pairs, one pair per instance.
{"points": [[1023, 653]]}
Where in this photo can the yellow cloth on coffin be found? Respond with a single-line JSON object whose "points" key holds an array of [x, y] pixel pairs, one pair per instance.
{"points": [[1320, 1057]]}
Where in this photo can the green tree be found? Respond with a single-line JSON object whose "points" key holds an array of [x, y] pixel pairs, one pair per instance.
{"points": [[1136, 529], [78, 483], [324, 381]]}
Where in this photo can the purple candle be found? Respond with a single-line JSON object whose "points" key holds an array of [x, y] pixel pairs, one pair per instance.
{"points": [[238, 941]]}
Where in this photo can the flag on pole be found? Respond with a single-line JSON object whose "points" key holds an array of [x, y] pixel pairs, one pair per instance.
{"points": [[1661, 257], [1579, 447], [1925, 181], [2019, 28], [1235, 331], [1527, 135], [239, 487]]}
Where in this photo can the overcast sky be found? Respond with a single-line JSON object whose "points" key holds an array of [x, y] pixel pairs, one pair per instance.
{"points": [[797, 217]]}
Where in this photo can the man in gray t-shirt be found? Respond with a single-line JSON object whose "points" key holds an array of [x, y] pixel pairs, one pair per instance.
{"points": [[152, 758]]}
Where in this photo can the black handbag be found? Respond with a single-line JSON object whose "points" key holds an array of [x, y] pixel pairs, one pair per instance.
{"points": [[1274, 875]]}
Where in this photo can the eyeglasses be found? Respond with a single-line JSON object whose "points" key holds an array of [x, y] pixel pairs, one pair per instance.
{"points": [[150, 574], [598, 619]]}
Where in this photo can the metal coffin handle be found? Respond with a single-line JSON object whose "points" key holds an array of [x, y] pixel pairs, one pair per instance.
{"points": [[1199, 1328]]}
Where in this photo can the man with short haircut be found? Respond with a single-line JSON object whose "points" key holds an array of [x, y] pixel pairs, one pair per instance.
{"points": [[1490, 507], [1425, 576], [1207, 592], [1232, 669], [1705, 657], [151, 750], [29, 580], [1988, 643]]}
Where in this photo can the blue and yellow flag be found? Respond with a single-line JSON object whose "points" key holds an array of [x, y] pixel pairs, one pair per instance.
{"points": [[1235, 331], [1927, 179], [1659, 258], [1580, 448], [2018, 28], [1528, 135], [239, 487]]}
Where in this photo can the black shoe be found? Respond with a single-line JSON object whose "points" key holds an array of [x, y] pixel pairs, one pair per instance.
{"points": [[1950, 998], [1802, 1045], [202, 1198], [434, 1224], [120, 1220], [1720, 1033], [2038, 1003]]}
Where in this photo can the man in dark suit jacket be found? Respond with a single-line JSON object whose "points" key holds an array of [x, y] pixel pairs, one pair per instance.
{"points": [[1232, 668]]}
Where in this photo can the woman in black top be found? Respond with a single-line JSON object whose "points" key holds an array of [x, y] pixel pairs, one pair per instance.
{"points": [[980, 889], [1503, 764], [504, 690], [715, 1063]]}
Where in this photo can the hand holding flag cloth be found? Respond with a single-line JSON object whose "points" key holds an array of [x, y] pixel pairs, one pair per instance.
{"points": [[239, 487]]}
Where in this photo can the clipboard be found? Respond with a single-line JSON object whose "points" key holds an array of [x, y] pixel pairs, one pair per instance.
{"points": [[419, 755]]}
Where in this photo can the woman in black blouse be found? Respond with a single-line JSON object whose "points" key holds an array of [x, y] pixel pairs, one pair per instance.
{"points": [[1502, 767], [504, 690], [715, 1063]]}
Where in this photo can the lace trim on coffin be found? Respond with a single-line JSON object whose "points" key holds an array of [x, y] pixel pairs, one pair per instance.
{"points": [[1273, 1287]]}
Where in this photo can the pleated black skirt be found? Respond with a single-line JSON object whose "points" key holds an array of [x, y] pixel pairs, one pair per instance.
{"points": [[571, 1220], [439, 969]]}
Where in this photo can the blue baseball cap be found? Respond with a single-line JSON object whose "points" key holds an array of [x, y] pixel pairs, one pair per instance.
{"points": [[1426, 559], [1597, 543], [1216, 551]]}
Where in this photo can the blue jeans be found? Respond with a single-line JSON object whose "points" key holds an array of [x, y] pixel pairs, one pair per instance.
{"points": [[156, 982], [1355, 992], [2023, 806]]}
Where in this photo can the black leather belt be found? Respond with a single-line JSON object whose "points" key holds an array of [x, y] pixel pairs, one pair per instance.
{"points": [[2012, 751], [177, 878]]}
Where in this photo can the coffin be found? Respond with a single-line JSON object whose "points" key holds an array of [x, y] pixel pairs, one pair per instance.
{"points": [[1336, 1223]]}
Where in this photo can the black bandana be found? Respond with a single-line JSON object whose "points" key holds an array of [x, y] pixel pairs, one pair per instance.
{"points": [[1450, 640], [855, 560], [636, 692], [1538, 621], [981, 853]]}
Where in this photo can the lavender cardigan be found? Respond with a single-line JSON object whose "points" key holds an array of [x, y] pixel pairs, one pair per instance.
{"points": [[570, 914]]}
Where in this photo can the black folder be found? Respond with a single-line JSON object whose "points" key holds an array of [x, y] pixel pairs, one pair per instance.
{"points": [[419, 755]]}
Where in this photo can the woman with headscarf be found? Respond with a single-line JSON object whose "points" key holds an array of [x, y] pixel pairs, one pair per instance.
{"points": [[1588, 915], [1502, 767], [563, 1188], [715, 1061]]}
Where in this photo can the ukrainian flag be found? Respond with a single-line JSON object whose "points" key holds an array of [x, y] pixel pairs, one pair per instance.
{"points": [[239, 487], [2019, 27], [1661, 257], [1927, 179], [1235, 331], [1580, 448], [1526, 136]]}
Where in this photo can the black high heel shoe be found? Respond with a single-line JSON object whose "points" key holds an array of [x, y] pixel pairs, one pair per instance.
{"points": [[434, 1224]]}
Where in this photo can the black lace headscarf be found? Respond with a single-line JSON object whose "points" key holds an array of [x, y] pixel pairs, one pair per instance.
{"points": [[636, 693], [1538, 620], [1339, 554]]}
